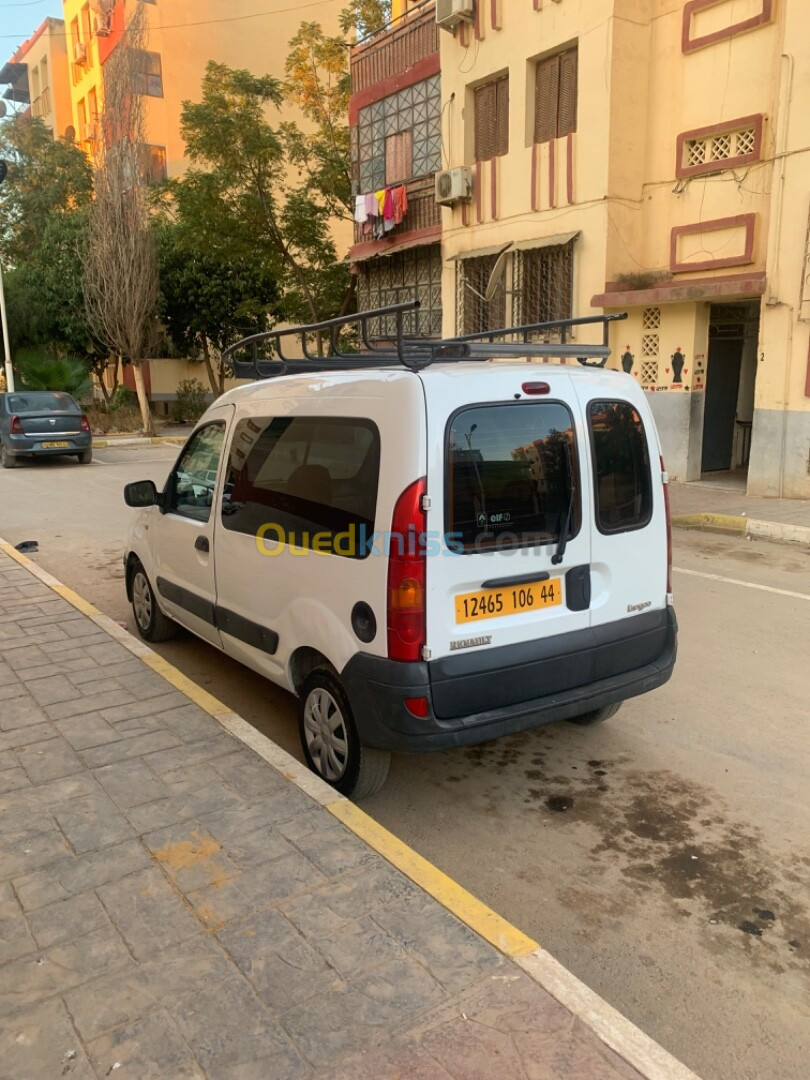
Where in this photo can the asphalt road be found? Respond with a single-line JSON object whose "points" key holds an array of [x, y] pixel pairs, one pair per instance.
{"points": [[676, 882]]}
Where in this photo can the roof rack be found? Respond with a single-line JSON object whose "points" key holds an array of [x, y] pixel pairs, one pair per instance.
{"points": [[320, 344]]}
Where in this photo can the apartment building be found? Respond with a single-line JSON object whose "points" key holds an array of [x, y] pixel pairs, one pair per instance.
{"points": [[395, 122], [183, 36], [647, 156], [36, 78]]}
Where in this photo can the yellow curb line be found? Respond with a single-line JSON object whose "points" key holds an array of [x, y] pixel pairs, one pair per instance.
{"points": [[640, 1051], [726, 522], [480, 918]]}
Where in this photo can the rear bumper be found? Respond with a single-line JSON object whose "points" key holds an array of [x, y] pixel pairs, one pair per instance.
{"points": [[38, 444], [563, 678]]}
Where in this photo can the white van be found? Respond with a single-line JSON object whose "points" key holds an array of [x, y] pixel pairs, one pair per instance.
{"points": [[429, 548]]}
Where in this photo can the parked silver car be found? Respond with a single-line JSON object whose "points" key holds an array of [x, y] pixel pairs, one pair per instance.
{"points": [[42, 423]]}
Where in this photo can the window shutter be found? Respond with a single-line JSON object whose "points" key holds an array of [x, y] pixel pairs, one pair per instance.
{"points": [[485, 102], [502, 117], [567, 120], [547, 89], [399, 157]]}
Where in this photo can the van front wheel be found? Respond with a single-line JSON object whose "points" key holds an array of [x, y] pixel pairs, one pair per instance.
{"points": [[596, 716], [329, 739]]}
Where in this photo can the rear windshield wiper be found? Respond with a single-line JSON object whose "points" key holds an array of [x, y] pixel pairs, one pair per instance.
{"points": [[557, 557]]}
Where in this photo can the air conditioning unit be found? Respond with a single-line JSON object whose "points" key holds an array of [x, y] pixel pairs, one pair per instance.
{"points": [[80, 52], [449, 13], [453, 185], [102, 24]]}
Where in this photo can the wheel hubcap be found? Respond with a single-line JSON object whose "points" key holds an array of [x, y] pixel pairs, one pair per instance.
{"points": [[325, 734], [142, 601]]}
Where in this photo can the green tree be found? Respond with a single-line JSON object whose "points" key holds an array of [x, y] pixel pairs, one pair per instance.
{"points": [[44, 207], [211, 291], [229, 135], [46, 177]]}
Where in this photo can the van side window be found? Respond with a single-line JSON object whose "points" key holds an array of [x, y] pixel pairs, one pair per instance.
{"points": [[511, 473], [621, 463], [194, 478], [310, 481]]}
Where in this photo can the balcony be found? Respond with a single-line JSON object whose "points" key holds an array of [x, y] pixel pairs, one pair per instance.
{"points": [[394, 50], [41, 106], [422, 214]]}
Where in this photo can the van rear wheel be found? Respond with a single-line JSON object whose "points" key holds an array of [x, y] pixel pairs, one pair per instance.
{"points": [[596, 716], [330, 742]]}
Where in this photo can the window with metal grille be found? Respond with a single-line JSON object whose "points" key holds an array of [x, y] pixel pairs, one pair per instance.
{"points": [[555, 95], [492, 119], [543, 284], [416, 109], [474, 313], [406, 275]]}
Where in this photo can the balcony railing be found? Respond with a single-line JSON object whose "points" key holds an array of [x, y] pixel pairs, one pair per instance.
{"points": [[394, 50], [41, 106], [422, 213]]}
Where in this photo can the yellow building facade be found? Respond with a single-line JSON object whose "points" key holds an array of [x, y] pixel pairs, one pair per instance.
{"points": [[183, 36], [645, 156], [36, 77]]}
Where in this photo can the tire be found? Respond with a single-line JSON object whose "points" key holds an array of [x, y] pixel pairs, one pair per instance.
{"points": [[152, 624], [7, 460], [86, 456], [596, 716], [340, 760]]}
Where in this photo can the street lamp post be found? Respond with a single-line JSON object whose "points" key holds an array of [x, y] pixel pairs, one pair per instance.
{"points": [[3, 317]]}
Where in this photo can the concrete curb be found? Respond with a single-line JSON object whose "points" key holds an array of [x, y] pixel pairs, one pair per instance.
{"points": [[136, 440], [738, 525], [645, 1055]]}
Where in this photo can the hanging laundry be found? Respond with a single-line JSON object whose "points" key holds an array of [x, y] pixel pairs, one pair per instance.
{"points": [[360, 213], [400, 198]]}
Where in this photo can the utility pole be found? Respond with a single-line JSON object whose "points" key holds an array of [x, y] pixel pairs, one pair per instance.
{"points": [[3, 316]]}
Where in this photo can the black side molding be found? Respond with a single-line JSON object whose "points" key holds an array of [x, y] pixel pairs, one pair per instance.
{"points": [[260, 637], [185, 598], [237, 626]]}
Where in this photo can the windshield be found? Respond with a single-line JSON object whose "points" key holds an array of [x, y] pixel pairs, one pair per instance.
{"points": [[41, 402]]}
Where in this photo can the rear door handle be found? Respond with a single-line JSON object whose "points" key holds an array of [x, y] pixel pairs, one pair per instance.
{"points": [[201, 543]]}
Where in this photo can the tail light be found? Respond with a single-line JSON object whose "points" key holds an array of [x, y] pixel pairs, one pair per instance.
{"points": [[85, 423], [16, 426], [665, 480], [406, 575]]}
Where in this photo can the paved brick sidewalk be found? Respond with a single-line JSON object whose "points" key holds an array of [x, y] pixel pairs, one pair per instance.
{"points": [[173, 906]]}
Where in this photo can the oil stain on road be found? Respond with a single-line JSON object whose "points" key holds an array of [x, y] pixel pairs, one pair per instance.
{"points": [[666, 833]]}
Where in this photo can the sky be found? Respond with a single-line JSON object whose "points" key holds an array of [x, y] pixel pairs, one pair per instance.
{"points": [[20, 18]]}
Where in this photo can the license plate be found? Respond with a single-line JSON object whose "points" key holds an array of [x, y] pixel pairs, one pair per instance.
{"points": [[55, 445], [512, 600]]}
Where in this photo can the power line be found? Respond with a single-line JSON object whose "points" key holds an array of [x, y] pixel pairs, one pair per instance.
{"points": [[210, 22]]}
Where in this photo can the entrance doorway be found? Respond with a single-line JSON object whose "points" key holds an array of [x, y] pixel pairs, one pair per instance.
{"points": [[730, 378]]}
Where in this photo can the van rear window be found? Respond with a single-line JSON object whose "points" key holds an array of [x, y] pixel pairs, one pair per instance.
{"points": [[512, 472], [621, 462]]}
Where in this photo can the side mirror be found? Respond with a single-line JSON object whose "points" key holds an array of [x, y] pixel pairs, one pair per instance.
{"points": [[141, 493]]}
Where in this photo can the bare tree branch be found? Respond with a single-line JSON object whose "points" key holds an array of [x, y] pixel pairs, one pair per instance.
{"points": [[120, 270]]}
